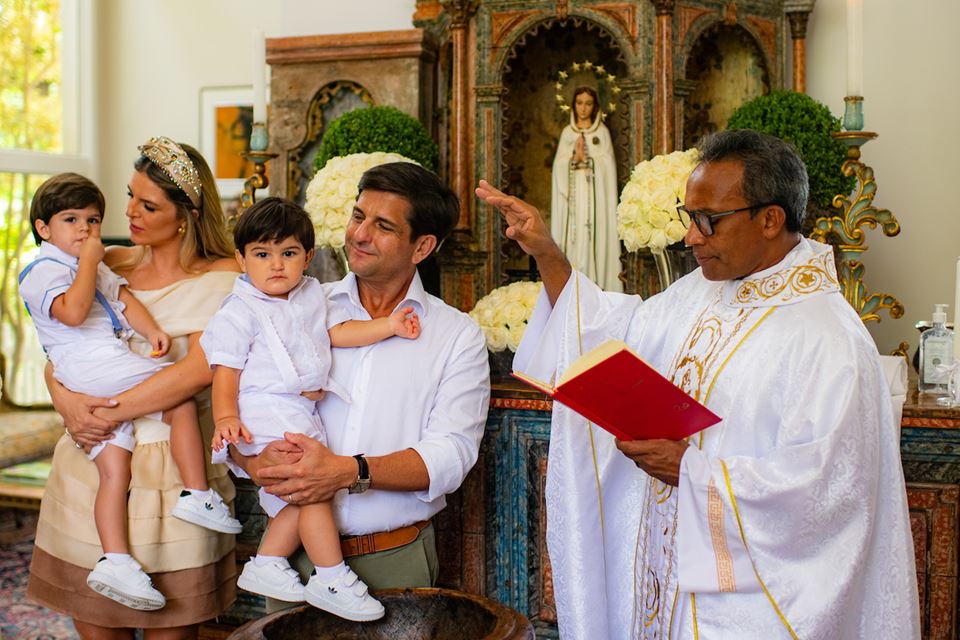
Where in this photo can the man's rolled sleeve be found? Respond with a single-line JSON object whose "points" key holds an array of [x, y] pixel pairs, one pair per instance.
{"points": [[451, 440]]}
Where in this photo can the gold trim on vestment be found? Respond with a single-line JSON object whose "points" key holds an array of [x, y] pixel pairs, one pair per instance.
{"points": [[819, 274], [736, 511], [693, 607], [725, 576]]}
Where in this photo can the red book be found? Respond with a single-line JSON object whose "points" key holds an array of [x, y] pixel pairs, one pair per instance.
{"points": [[614, 388]]}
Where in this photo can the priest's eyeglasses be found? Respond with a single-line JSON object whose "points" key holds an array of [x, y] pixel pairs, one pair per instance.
{"points": [[704, 221]]}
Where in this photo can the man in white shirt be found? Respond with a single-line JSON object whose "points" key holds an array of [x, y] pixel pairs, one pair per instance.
{"points": [[788, 519], [418, 407]]}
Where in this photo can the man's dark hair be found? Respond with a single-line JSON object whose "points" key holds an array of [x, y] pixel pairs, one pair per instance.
{"points": [[434, 208], [773, 171], [61, 192], [273, 219]]}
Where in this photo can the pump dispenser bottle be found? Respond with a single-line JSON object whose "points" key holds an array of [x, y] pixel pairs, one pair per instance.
{"points": [[936, 353]]}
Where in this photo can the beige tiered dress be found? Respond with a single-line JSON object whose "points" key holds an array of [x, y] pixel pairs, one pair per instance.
{"points": [[192, 566]]}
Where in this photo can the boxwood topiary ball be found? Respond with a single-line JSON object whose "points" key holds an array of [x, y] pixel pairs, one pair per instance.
{"points": [[378, 129]]}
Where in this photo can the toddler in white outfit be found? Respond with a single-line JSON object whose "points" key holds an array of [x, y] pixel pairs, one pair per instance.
{"points": [[84, 316], [270, 346]]}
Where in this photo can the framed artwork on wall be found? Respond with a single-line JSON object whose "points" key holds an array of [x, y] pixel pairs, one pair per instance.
{"points": [[226, 119]]}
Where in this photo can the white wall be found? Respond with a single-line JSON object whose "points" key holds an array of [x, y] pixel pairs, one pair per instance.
{"points": [[910, 97], [154, 57]]}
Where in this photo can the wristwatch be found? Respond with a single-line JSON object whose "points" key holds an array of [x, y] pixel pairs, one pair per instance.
{"points": [[362, 483]]}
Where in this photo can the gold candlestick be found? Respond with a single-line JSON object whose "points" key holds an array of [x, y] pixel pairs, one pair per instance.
{"points": [[259, 141]]}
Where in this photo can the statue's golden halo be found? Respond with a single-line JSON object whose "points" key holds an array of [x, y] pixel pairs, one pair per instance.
{"points": [[599, 73]]}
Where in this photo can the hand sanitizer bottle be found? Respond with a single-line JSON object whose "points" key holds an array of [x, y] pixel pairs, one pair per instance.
{"points": [[936, 353]]}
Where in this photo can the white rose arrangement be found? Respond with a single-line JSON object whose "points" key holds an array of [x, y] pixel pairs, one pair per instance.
{"points": [[503, 314], [647, 215], [333, 191]]}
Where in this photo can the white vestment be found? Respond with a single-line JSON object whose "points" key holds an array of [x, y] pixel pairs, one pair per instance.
{"points": [[790, 518], [583, 204]]}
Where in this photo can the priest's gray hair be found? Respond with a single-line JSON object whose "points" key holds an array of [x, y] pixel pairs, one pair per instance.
{"points": [[773, 171]]}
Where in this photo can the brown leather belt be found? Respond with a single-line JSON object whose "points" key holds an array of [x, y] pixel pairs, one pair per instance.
{"points": [[373, 542]]}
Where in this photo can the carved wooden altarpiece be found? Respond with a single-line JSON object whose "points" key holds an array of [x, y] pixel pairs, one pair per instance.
{"points": [[498, 62]]}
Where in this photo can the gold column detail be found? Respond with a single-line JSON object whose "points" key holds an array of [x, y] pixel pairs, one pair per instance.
{"points": [[798, 12], [461, 177], [846, 230], [663, 63]]}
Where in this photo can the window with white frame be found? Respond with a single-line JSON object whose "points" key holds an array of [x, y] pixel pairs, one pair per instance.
{"points": [[47, 126]]}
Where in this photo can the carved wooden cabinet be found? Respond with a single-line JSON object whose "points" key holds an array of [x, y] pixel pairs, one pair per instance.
{"points": [[930, 451]]}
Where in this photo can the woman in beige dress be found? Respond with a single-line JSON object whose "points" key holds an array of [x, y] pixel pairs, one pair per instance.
{"points": [[181, 268]]}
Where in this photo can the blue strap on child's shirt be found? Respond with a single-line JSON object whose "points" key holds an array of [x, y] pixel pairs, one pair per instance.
{"points": [[102, 299]]}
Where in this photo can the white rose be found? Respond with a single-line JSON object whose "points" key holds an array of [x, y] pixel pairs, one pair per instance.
{"points": [[497, 338], [659, 219], [516, 335], [675, 231], [658, 240]]}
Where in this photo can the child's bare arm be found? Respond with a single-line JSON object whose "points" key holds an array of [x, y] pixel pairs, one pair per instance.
{"points": [[144, 323], [226, 411], [73, 307], [359, 333]]}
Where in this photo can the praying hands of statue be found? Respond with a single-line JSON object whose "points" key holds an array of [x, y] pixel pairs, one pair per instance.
{"points": [[526, 226], [657, 458], [579, 152]]}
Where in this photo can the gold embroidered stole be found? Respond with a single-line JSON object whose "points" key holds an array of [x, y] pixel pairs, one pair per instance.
{"points": [[708, 346]]}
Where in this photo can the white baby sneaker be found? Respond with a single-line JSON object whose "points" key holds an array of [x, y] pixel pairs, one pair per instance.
{"points": [[126, 583], [346, 596], [276, 579], [212, 513]]}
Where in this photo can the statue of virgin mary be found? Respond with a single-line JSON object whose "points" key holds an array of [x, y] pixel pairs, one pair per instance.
{"points": [[583, 203]]}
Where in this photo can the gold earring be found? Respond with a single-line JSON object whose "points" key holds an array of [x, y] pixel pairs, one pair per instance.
{"points": [[182, 231]]}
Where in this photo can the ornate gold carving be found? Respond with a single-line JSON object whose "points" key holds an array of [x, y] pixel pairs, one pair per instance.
{"points": [[664, 7], [767, 31], [857, 212], [624, 15], [460, 11], [903, 350], [686, 16], [315, 125], [427, 10], [798, 24], [730, 14], [817, 275], [502, 23], [718, 536], [563, 8]]}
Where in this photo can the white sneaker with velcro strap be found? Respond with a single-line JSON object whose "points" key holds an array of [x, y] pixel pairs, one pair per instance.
{"points": [[346, 596], [275, 579], [126, 583], [212, 513]]}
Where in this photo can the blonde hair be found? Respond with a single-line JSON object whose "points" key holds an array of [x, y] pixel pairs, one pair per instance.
{"points": [[205, 235]]}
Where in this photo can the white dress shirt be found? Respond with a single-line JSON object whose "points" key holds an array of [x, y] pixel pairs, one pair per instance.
{"points": [[430, 394]]}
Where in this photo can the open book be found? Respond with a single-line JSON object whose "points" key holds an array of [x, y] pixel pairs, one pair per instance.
{"points": [[615, 389]]}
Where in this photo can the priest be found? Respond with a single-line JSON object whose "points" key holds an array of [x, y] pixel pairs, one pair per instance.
{"points": [[787, 519]]}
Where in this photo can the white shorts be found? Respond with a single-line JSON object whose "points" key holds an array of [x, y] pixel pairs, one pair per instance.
{"points": [[104, 369], [267, 417]]}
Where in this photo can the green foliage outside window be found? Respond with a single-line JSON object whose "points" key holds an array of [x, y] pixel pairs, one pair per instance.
{"points": [[378, 129], [31, 119], [806, 124]]}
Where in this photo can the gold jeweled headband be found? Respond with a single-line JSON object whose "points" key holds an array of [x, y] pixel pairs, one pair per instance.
{"points": [[174, 161]]}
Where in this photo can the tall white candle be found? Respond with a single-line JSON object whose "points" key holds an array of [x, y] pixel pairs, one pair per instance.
{"points": [[956, 315], [259, 77], [854, 47]]}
